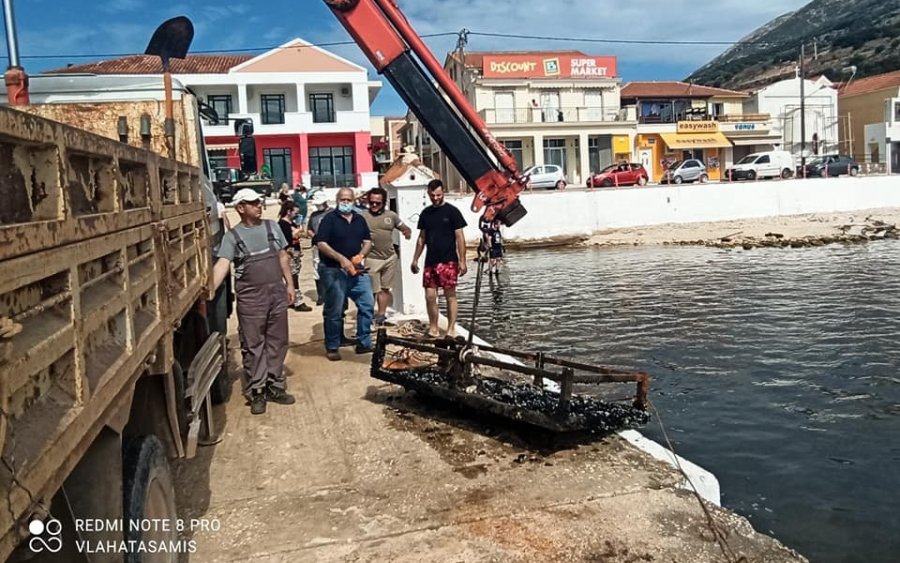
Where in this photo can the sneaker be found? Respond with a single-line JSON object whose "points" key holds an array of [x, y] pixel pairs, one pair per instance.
{"points": [[333, 355], [280, 396], [363, 349], [303, 307], [258, 402], [347, 341]]}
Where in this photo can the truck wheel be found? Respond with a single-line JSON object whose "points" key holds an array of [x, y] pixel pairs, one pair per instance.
{"points": [[785, 174], [751, 175], [221, 388], [148, 496]]}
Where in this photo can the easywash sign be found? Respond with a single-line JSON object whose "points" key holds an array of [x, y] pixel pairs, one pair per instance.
{"points": [[548, 66]]}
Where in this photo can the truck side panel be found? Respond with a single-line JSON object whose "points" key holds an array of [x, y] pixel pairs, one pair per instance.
{"points": [[98, 295], [62, 185]]}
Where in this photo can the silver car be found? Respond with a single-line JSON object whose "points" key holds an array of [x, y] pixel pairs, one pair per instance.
{"points": [[546, 176], [689, 170]]}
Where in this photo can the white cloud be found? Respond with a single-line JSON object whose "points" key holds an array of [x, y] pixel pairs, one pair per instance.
{"points": [[121, 6], [675, 20]]}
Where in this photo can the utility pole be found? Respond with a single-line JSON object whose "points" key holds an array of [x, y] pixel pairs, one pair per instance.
{"points": [[802, 110]]}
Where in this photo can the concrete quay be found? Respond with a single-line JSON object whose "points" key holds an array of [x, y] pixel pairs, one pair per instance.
{"points": [[359, 470]]}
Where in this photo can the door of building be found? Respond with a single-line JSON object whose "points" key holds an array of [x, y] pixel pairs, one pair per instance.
{"points": [[593, 100], [505, 107], [279, 161], [550, 106], [646, 157]]}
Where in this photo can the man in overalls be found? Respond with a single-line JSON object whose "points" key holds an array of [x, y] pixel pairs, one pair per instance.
{"points": [[264, 291]]}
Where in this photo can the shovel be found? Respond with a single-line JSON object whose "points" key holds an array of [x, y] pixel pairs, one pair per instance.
{"points": [[171, 40]]}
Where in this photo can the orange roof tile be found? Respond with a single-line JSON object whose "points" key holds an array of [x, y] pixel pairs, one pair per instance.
{"points": [[673, 89], [151, 64], [872, 84]]}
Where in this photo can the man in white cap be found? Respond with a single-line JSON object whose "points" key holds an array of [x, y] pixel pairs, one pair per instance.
{"points": [[264, 291]]}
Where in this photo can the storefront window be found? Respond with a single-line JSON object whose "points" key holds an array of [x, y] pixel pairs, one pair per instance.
{"points": [[514, 147], [555, 153]]}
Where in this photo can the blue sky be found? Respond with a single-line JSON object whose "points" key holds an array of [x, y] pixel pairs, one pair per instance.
{"points": [[74, 29]]}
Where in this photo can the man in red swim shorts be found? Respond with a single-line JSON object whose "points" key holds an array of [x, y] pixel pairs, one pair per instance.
{"points": [[441, 230]]}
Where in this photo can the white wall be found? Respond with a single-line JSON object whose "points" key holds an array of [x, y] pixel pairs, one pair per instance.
{"points": [[570, 213], [782, 100]]}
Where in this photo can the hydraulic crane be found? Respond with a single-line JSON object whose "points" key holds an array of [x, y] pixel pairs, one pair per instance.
{"points": [[459, 369], [389, 41]]}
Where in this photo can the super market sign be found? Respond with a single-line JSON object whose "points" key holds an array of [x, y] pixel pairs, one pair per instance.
{"points": [[551, 65]]}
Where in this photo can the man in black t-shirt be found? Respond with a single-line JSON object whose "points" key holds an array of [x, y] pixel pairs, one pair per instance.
{"points": [[441, 230]]}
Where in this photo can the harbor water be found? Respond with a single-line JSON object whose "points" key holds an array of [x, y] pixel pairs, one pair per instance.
{"points": [[778, 370]]}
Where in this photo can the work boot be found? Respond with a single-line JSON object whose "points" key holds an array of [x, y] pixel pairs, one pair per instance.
{"points": [[280, 396], [258, 401]]}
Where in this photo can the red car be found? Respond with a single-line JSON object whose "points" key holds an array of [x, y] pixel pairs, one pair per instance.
{"points": [[619, 175]]}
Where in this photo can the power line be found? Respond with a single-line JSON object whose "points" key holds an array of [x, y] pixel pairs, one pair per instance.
{"points": [[621, 41], [430, 35], [217, 51]]}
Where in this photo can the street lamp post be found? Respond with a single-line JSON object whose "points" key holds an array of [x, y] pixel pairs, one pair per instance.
{"points": [[802, 112]]}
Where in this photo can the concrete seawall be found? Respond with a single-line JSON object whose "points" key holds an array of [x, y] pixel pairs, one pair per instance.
{"points": [[580, 213]]}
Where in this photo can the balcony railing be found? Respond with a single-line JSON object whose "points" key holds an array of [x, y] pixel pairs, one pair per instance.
{"points": [[743, 117], [549, 115], [723, 118]]}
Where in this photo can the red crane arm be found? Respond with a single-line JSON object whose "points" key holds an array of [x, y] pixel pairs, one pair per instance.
{"points": [[386, 37]]}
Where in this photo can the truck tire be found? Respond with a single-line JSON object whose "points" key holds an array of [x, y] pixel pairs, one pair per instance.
{"points": [[194, 332], [221, 388], [786, 173], [148, 496]]}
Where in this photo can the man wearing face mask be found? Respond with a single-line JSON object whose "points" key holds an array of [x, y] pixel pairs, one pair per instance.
{"points": [[344, 240]]}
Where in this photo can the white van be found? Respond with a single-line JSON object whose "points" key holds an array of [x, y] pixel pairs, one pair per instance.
{"points": [[769, 164]]}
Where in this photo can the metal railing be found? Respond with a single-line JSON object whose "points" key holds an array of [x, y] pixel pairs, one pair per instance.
{"points": [[579, 114], [742, 117]]}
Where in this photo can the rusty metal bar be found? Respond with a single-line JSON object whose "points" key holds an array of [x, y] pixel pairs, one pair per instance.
{"points": [[565, 389], [539, 363]]}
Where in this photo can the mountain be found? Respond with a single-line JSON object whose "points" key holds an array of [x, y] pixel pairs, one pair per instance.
{"points": [[838, 34]]}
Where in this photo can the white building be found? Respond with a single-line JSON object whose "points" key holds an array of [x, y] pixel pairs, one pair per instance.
{"points": [[782, 101], [310, 109], [546, 107]]}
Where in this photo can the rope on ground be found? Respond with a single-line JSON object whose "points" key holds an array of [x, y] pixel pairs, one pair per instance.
{"points": [[717, 531]]}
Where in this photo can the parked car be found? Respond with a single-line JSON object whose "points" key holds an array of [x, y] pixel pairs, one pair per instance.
{"points": [[623, 174], [831, 165], [546, 176], [768, 164], [690, 170]]}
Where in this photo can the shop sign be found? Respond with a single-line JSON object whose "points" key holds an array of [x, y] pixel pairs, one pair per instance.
{"points": [[550, 66], [744, 126], [697, 126], [620, 144]]}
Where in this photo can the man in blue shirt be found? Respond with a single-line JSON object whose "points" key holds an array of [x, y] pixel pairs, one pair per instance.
{"points": [[344, 240]]}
